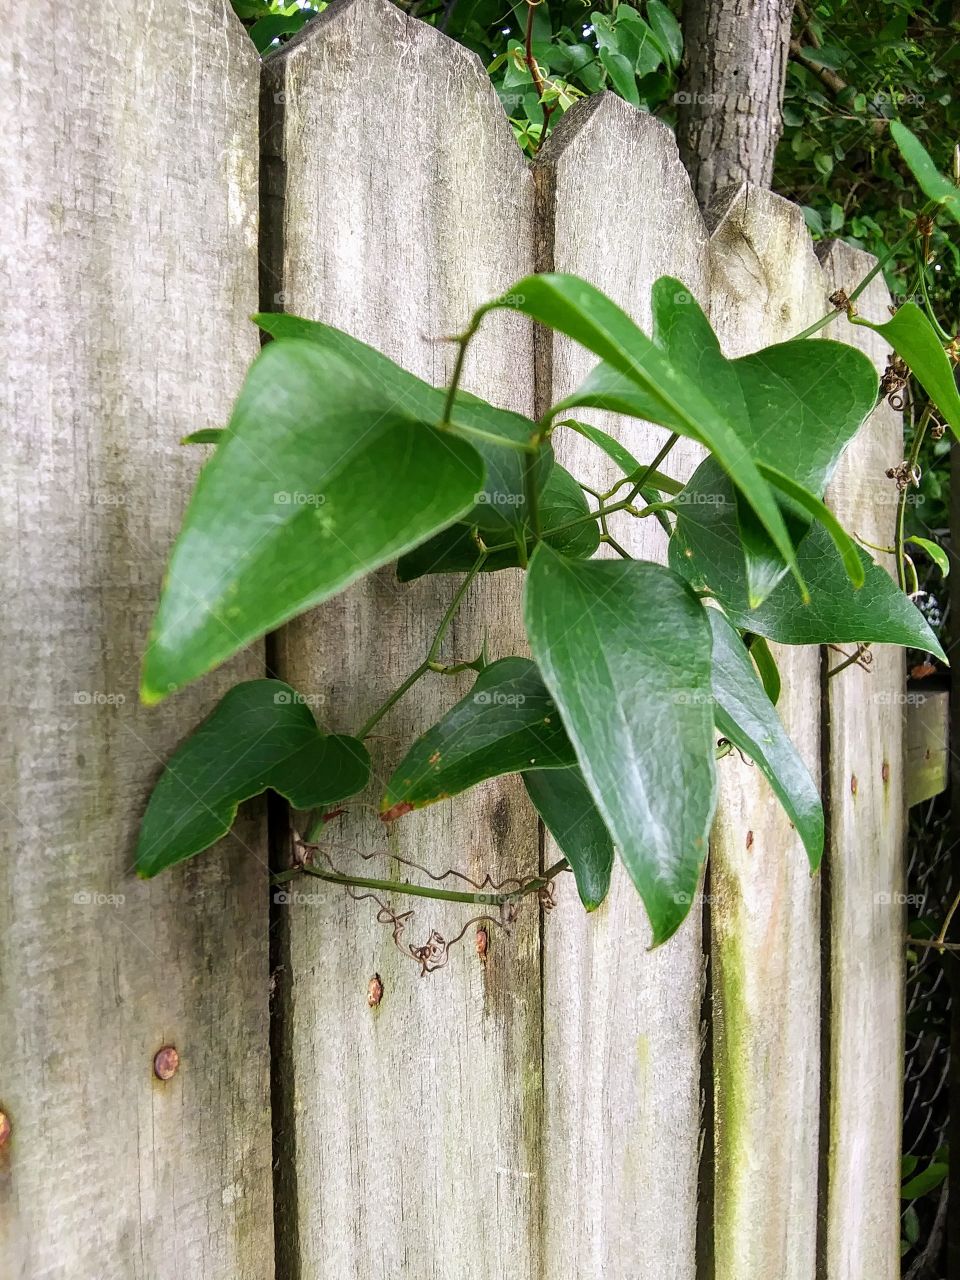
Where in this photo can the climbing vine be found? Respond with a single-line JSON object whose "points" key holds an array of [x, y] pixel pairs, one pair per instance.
{"points": [[641, 674]]}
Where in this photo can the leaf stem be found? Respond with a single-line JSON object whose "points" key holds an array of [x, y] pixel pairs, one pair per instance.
{"points": [[430, 661], [898, 540], [874, 270], [648, 471], [463, 341]]}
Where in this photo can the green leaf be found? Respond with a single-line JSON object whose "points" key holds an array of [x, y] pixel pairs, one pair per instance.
{"points": [[264, 32], [667, 30], [936, 553], [803, 498], [929, 178], [490, 430], [914, 338], [506, 723], [746, 716], [260, 736], [804, 402], [206, 435], [621, 73], [624, 647], [289, 510], [652, 383], [927, 1180], [837, 613], [456, 549], [564, 802], [766, 666]]}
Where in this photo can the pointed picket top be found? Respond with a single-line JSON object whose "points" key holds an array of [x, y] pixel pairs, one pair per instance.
{"points": [[390, 49], [762, 259]]}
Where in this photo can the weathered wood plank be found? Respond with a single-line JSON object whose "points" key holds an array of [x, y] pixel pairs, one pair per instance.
{"points": [[927, 742], [765, 286], [128, 226], [621, 1023], [410, 1131], [865, 863]]}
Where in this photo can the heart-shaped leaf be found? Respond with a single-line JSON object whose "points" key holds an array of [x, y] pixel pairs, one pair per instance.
{"points": [[624, 647], [290, 509], [261, 735], [651, 385], [745, 715], [498, 435], [837, 613], [507, 722], [564, 802]]}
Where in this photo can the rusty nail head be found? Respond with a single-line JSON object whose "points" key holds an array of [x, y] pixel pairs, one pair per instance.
{"points": [[5, 1128], [885, 772], [374, 991], [165, 1062], [853, 784], [749, 839], [482, 942]]}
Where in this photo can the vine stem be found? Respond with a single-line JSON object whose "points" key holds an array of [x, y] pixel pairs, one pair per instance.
{"points": [[671, 440], [428, 663], [599, 514], [315, 822], [534, 69], [425, 891], [898, 541], [874, 271]]}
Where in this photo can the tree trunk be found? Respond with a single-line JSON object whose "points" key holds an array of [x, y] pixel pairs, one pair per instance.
{"points": [[730, 106]]}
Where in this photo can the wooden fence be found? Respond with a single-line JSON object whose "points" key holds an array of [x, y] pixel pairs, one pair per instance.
{"points": [[726, 1106]]}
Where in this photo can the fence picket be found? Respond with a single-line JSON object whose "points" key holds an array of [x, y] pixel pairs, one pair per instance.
{"points": [[766, 286], [413, 1127], [865, 877], [128, 248]]}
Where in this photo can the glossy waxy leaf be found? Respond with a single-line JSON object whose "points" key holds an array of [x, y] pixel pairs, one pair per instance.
{"points": [[837, 612], [766, 667], [930, 180], [624, 647], [804, 402], [563, 800], [935, 552], [562, 508], [914, 338], [289, 510], [507, 723], [746, 717], [261, 735], [500, 506], [665, 393]]}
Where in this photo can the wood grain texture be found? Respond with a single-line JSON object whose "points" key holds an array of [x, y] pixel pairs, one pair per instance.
{"points": [[765, 947], [128, 243], [409, 1138], [865, 862], [927, 733], [621, 1023]]}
